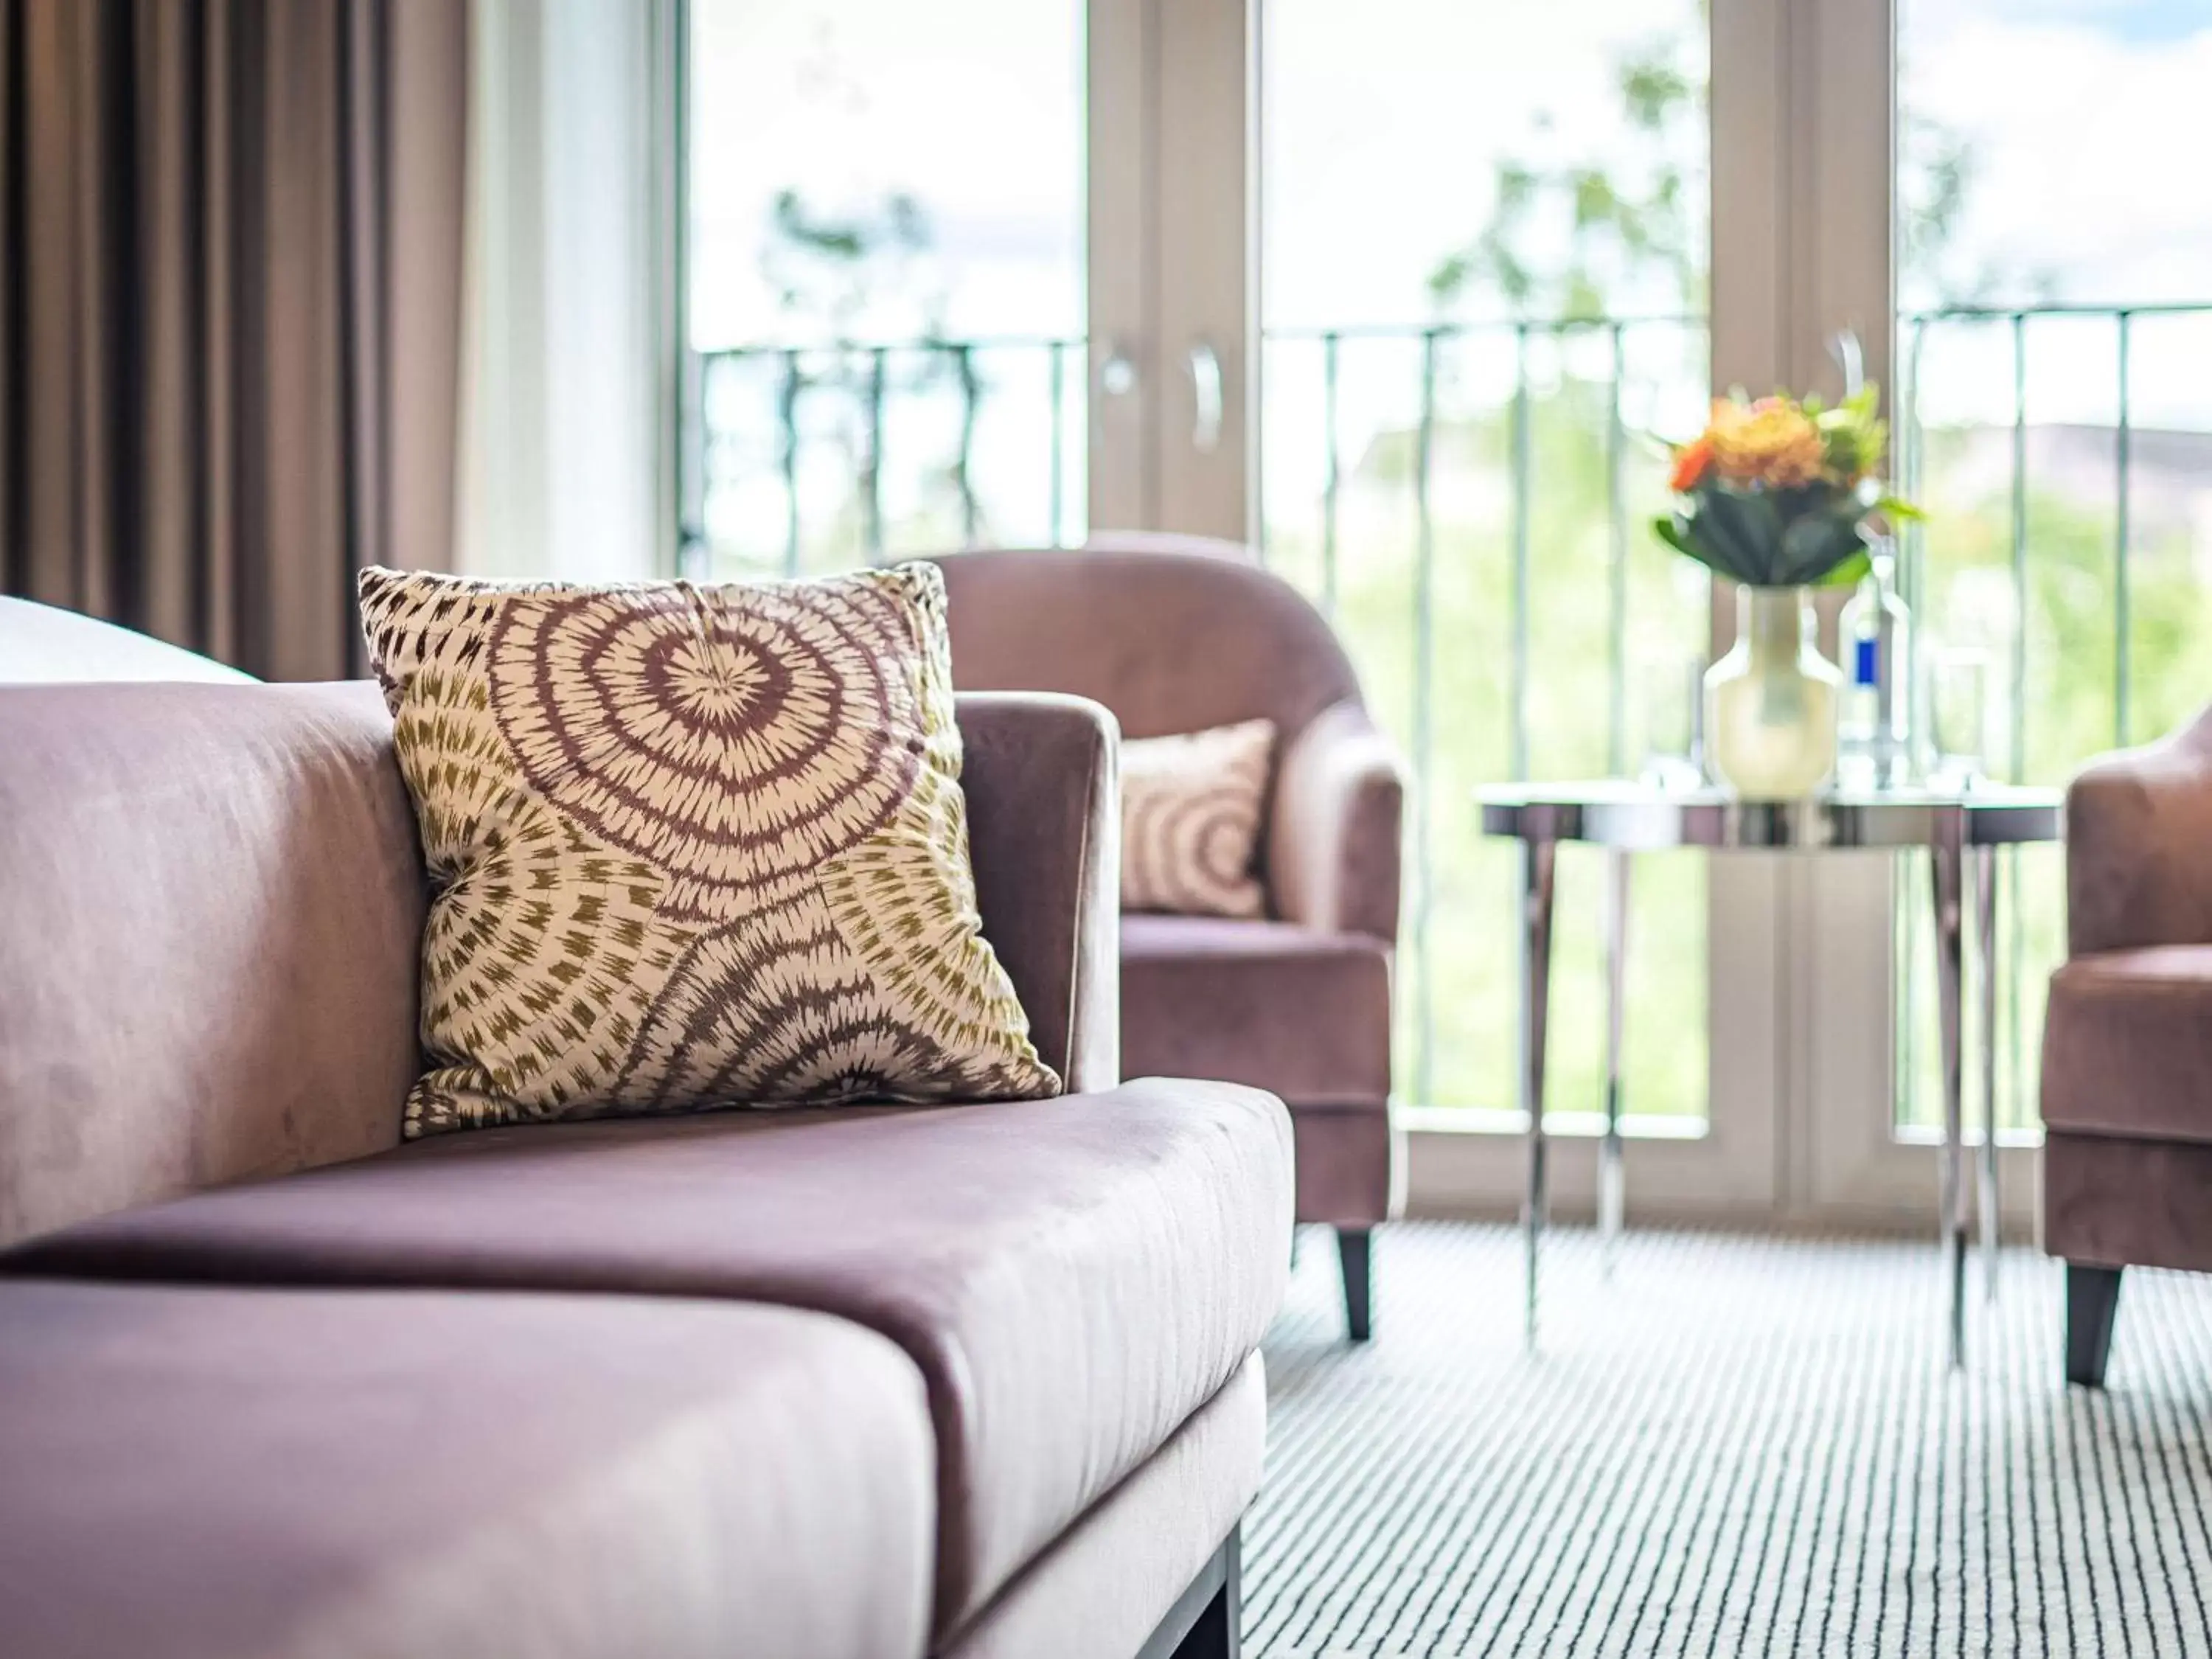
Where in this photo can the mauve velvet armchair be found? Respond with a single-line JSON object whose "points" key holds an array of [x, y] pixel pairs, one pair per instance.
{"points": [[2127, 1048], [1177, 635]]}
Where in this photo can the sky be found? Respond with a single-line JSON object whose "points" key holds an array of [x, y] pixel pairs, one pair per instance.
{"points": [[973, 106], [2087, 119], [1382, 124]]}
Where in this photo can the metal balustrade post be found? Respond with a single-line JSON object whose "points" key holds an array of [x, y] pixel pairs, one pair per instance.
{"points": [[872, 479], [1617, 555], [1517, 712], [1059, 395], [787, 419], [1913, 573], [963, 363], [1332, 478], [2019, 676], [2014, 950], [1423, 753], [2123, 621]]}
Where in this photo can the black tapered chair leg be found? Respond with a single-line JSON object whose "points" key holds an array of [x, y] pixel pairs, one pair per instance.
{"points": [[1353, 1251], [2093, 1302]]}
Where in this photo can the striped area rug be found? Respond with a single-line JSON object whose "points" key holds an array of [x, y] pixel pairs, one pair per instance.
{"points": [[1730, 1446]]}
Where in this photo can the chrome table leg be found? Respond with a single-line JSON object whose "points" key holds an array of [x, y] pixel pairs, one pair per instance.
{"points": [[1538, 858], [1611, 1179], [1945, 860], [1985, 927]]}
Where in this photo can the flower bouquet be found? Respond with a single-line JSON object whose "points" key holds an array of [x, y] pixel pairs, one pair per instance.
{"points": [[1782, 492], [1779, 495]]}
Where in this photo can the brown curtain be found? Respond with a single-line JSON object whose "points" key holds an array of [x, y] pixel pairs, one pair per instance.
{"points": [[232, 235]]}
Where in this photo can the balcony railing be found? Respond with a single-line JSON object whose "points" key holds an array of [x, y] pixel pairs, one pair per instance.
{"points": [[1513, 450], [2022, 428], [1465, 502], [767, 412]]}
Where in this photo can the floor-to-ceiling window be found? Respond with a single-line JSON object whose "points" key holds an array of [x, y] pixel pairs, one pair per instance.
{"points": [[1484, 271], [976, 273], [887, 277], [2055, 291]]}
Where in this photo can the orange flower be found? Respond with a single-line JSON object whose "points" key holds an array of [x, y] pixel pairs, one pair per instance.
{"points": [[1691, 462], [1770, 442]]}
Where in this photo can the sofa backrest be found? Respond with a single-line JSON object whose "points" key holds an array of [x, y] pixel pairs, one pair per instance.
{"points": [[211, 911], [1173, 633]]}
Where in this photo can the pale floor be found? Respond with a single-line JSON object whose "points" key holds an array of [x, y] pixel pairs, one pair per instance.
{"points": [[1733, 1445]]}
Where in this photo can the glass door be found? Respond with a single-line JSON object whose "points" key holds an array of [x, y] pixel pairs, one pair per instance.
{"points": [[2054, 311], [960, 273], [887, 279], [1484, 275], [1406, 294]]}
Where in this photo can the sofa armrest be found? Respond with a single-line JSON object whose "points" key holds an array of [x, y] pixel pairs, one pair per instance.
{"points": [[1044, 833], [1333, 852], [2139, 846]]}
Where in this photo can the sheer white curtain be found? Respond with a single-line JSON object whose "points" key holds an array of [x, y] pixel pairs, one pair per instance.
{"points": [[565, 428]]}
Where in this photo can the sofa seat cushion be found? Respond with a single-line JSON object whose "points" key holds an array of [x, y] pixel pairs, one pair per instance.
{"points": [[2127, 1045], [1072, 1276], [199, 1471], [1105, 1587], [1301, 1013]]}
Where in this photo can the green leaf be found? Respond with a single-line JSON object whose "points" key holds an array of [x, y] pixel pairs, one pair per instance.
{"points": [[1452, 275], [1680, 534], [1671, 533], [1595, 201], [1851, 572], [1818, 544], [1745, 530]]}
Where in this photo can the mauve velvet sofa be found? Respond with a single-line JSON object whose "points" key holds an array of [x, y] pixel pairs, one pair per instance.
{"points": [[2127, 1046], [1179, 634], [850, 1385]]}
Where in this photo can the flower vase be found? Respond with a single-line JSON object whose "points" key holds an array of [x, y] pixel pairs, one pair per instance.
{"points": [[1771, 702]]}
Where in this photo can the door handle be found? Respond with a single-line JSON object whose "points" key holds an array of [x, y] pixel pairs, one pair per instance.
{"points": [[1117, 375], [1205, 396], [1844, 347]]}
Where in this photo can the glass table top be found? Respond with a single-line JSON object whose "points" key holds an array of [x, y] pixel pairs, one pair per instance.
{"points": [[1627, 814]]}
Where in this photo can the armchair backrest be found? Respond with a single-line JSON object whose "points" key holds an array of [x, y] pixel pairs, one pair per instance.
{"points": [[2139, 845], [1173, 633]]}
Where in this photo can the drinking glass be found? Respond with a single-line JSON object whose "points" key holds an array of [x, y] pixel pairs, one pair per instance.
{"points": [[1672, 708], [1959, 715]]}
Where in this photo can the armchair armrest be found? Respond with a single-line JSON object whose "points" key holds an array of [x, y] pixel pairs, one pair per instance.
{"points": [[1333, 852], [2139, 846], [1044, 834]]}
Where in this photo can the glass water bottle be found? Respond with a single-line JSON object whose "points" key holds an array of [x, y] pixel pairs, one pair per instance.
{"points": [[1874, 727]]}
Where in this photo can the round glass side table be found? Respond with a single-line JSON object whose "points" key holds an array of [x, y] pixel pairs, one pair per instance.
{"points": [[1958, 828]]}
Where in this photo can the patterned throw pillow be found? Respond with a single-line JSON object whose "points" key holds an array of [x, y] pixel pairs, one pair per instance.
{"points": [[1190, 820], [690, 847]]}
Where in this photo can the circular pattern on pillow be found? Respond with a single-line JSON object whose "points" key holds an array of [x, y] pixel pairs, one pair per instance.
{"points": [[663, 723], [1190, 820], [689, 848]]}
